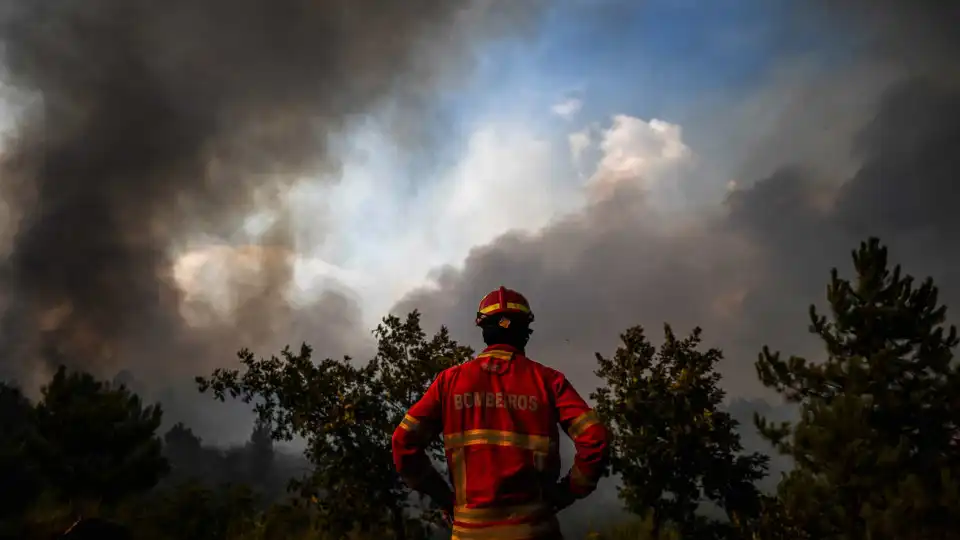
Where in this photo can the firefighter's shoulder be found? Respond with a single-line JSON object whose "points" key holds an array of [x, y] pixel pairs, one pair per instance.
{"points": [[546, 371], [451, 373]]}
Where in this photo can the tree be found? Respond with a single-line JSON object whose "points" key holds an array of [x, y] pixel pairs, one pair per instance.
{"points": [[876, 446], [192, 510], [96, 443], [672, 445], [347, 414], [19, 470], [185, 453], [259, 453]]}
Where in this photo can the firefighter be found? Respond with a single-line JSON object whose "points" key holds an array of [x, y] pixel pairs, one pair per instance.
{"points": [[499, 415]]}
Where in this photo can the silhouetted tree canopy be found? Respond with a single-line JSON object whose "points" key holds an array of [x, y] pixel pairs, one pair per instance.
{"points": [[876, 446], [96, 443], [20, 473], [673, 446]]}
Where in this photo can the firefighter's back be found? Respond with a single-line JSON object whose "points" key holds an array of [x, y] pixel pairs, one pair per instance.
{"points": [[500, 415], [501, 438]]}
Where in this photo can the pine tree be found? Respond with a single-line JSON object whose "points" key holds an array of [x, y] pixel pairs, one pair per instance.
{"points": [[673, 446], [21, 476], [875, 448], [259, 453], [96, 443]]}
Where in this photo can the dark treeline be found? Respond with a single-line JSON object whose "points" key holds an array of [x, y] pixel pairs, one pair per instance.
{"points": [[866, 445]]}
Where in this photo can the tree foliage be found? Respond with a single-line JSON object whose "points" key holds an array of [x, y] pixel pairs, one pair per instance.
{"points": [[256, 464], [96, 443], [347, 413], [85, 444], [192, 510], [876, 448], [260, 452], [673, 446], [22, 478]]}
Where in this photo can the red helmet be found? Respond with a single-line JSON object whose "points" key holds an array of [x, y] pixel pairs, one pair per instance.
{"points": [[503, 301]]}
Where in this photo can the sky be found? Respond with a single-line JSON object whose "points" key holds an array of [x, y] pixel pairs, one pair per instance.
{"points": [[600, 85]]}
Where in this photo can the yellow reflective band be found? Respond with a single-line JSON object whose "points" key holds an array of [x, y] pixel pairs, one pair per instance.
{"points": [[476, 516], [582, 423], [537, 443], [488, 309], [502, 355], [409, 423], [458, 467], [520, 531], [510, 305]]}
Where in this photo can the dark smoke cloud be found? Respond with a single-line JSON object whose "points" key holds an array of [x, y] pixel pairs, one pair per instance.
{"points": [[917, 35], [154, 122]]}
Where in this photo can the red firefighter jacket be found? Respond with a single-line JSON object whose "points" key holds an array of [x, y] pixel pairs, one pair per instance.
{"points": [[498, 414]]}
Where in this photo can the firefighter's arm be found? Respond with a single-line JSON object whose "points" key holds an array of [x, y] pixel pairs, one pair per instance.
{"points": [[590, 437], [420, 425]]}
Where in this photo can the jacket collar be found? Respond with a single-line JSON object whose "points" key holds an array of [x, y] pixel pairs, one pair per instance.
{"points": [[502, 347], [497, 358]]}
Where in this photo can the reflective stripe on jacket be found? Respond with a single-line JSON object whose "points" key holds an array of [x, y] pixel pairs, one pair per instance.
{"points": [[499, 414]]}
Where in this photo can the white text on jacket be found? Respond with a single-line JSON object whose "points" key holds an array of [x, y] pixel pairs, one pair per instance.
{"points": [[499, 400]]}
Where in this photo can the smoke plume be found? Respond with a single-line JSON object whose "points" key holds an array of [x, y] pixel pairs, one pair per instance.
{"points": [[145, 124]]}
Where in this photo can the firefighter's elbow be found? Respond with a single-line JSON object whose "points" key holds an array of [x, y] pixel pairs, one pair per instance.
{"points": [[397, 437], [604, 437], [605, 444], [398, 442], [604, 433]]}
